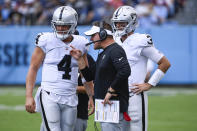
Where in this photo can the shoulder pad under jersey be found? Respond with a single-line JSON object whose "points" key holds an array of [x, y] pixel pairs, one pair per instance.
{"points": [[41, 38]]}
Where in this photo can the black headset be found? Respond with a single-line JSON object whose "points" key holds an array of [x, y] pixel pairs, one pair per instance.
{"points": [[102, 34]]}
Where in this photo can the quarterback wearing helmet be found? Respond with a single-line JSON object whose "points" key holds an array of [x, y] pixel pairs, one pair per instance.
{"points": [[124, 15], [64, 16], [139, 48], [57, 97]]}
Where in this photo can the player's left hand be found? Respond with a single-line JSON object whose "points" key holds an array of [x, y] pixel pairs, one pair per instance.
{"points": [[90, 106], [140, 88]]}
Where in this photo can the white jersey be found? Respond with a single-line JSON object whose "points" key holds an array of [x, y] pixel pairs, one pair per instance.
{"points": [[60, 70], [136, 46]]}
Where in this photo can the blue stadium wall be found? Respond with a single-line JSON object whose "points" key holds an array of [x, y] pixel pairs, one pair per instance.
{"points": [[178, 43]]}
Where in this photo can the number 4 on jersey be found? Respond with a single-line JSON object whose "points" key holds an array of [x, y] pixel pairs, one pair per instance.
{"points": [[64, 65]]}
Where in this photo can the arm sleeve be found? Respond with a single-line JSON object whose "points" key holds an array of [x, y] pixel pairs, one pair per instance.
{"points": [[122, 67], [92, 65], [152, 53]]}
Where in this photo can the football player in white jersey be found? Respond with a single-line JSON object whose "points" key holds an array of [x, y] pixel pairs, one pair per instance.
{"points": [[58, 99], [139, 48]]}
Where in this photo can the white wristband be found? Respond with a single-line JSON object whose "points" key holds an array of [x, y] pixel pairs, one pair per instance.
{"points": [[156, 77]]}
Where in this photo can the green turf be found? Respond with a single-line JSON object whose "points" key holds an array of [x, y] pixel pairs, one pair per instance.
{"points": [[168, 111], [173, 113]]}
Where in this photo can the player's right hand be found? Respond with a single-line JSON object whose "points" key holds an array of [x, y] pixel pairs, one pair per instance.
{"points": [[30, 104]]}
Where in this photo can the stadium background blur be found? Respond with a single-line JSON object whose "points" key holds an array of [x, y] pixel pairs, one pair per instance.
{"points": [[171, 23]]}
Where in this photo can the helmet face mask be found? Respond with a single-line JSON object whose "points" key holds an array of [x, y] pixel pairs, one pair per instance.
{"points": [[61, 32], [119, 28], [64, 22], [124, 14], [120, 25]]}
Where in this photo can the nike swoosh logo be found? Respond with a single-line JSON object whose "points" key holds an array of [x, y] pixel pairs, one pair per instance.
{"points": [[120, 59]]}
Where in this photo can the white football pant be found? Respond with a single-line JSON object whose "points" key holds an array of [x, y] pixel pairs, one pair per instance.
{"points": [[55, 116], [138, 111]]}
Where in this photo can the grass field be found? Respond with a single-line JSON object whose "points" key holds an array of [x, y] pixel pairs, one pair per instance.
{"points": [[170, 109]]}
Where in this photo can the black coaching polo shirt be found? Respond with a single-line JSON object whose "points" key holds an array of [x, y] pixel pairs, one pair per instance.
{"points": [[112, 70]]}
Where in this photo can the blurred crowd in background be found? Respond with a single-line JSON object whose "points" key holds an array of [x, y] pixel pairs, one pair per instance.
{"points": [[39, 12]]}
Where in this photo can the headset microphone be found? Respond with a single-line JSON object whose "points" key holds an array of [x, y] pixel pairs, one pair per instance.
{"points": [[92, 42]]}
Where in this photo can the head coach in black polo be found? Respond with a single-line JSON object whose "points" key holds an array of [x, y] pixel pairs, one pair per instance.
{"points": [[111, 72]]}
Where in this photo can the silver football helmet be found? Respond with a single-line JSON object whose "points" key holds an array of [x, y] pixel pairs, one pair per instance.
{"points": [[125, 14], [62, 16]]}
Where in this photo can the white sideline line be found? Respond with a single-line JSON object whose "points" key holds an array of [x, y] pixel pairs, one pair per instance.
{"points": [[12, 108]]}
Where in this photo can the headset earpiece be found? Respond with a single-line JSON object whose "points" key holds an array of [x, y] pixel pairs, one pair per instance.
{"points": [[102, 32]]}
